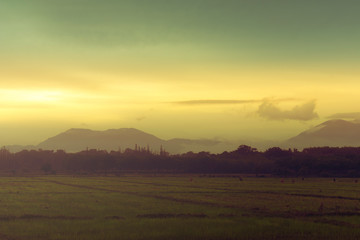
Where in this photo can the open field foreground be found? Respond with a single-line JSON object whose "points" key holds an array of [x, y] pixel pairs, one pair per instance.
{"points": [[178, 207]]}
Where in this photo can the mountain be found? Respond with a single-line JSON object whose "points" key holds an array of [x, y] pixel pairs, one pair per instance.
{"points": [[18, 148], [75, 140], [332, 133], [181, 145]]}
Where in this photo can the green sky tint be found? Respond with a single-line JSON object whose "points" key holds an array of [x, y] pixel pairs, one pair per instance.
{"points": [[197, 29]]}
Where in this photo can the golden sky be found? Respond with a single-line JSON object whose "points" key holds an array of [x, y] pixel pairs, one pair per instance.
{"points": [[194, 69]]}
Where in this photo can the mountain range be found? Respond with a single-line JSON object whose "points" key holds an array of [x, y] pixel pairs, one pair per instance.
{"points": [[77, 139], [330, 133]]}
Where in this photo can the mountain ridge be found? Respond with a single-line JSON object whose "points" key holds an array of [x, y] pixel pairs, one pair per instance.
{"points": [[332, 133], [77, 139]]}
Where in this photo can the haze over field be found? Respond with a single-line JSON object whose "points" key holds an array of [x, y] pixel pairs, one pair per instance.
{"points": [[216, 69]]}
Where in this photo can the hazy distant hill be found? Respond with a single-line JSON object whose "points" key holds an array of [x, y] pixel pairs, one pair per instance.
{"points": [[75, 140], [18, 148], [181, 145], [333, 133]]}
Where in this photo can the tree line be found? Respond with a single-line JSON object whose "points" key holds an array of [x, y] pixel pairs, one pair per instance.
{"points": [[316, 162]]}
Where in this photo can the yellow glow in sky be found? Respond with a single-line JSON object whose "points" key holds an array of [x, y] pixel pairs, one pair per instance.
{"points": [[23, 96], [163, 107]]}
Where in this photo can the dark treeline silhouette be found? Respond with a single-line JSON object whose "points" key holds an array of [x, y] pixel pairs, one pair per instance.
{"points": [[321, 161]]}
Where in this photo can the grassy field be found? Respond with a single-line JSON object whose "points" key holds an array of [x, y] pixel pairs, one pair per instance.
{"points": [[178, 207]]}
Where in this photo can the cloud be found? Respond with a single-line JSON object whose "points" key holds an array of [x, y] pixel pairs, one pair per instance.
{"points": [[304, 112], [139, 119], [211, 102], [226, 101], [350, 115]]}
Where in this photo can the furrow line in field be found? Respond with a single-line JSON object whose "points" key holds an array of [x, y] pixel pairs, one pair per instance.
{"points": [[322, 196], [173, 185], [227, 190], [197, 202], [300, 195]]}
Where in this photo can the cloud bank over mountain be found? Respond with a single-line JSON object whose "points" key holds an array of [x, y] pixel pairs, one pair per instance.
{"points": [[349, 115], [305, 112]]}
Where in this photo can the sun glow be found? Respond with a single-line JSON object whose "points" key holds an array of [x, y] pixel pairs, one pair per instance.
{"points": [[23, 96]]}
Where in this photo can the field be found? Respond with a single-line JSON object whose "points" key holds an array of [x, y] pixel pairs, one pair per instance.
{"points": [[178, 207]]}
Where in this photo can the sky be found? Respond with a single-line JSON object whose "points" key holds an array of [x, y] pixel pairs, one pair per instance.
{"points": [[233, 69]]}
